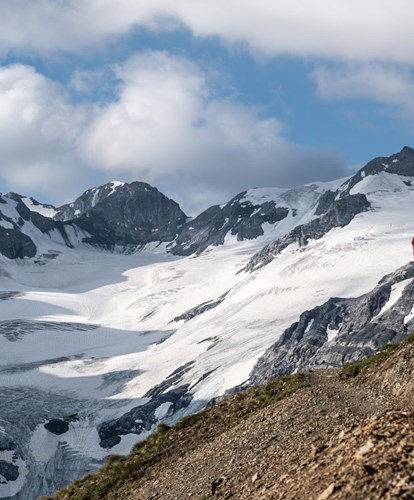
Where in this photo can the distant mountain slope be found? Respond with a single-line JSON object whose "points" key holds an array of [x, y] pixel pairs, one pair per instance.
{"points": [[86, 201], [97, 347], [337, 208], [131, 214], [342, 330], [119, 215], [253, 214], [25, 233]]}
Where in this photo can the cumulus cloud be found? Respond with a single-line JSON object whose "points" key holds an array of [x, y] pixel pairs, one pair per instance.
{"points": [[166, 126], [392, 86], [348, 29], [38, 132]]}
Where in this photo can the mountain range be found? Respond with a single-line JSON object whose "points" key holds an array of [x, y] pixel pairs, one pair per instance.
{"points": [[119, 311]]}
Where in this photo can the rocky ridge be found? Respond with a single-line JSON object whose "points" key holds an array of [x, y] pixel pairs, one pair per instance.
{"points": [[116, 215], [343, 330], [339, 208], [336, 438], [124, 215]]}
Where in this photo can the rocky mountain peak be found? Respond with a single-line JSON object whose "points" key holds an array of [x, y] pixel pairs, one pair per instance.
{"points": [[87, 201], [128, 214], [401, 164]]}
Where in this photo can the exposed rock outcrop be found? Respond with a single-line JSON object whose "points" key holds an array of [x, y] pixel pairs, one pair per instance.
{"points": [[342, 330]]}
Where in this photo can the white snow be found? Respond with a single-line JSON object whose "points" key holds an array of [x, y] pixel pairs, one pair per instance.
{"points": [[409, 316], [332, 333], [115, 185], [6, 224], [43, 444], [162, 411], [309, 325], [396, 292], [46, 211]]}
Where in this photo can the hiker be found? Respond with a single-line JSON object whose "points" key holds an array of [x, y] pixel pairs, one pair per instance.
{"points": [[412, 243]]}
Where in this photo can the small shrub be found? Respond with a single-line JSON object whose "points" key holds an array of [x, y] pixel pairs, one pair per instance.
{"points": [[409, 339], [350, 370]]}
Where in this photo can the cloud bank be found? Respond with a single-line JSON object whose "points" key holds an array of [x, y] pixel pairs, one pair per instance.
{"points": [[166, 126], [384, 84], [371, 30]]}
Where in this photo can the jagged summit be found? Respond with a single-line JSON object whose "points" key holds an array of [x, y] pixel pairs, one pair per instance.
{"points": [[382, 177], [128, 214], [87, 201], [116, 214]]}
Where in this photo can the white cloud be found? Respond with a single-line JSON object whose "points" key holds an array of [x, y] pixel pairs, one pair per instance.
{"points": [[165, 126], [388, 85], [38, 132], [347, 29]]}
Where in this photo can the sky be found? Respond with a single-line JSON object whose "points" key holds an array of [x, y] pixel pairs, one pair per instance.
{"points": [[201, 98]]}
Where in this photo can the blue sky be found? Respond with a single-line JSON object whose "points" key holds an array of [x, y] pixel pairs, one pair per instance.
{"points": [[200, 98]]}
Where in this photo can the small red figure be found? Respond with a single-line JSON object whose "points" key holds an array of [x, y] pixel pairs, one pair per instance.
{"points": [[412, 243]]}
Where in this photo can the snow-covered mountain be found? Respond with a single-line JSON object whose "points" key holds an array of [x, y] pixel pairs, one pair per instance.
{"points": [[116, 215], [97, 346]]}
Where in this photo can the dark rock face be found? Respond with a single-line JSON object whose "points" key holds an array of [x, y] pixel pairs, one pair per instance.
{"points": [[60, 426], [325, 202], [6, 443], [86, 201], [358, 327], [340, 214], [135, 214], [57, 426], [9, 471], [143, 418], [401, 163], [238, 217], [15, 244], [201, 308], [125, 215]]}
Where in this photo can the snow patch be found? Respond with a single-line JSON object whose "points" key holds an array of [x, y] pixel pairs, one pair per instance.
{"points": [[6, 224], [46, 211], [162, 411], [396, 292], [332, 333], [409, 316], [309, 325]]}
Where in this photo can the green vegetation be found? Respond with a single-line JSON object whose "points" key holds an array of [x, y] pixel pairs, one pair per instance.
{"points": [[409, 339], [167, 444], [355, 368]]}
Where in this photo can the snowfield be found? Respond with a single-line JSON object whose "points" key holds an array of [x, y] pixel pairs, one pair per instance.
{"points": [[89, 333]]}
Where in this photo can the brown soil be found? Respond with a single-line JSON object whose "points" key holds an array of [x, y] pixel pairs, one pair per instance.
{"points": [[336, 439], [256, 458]]}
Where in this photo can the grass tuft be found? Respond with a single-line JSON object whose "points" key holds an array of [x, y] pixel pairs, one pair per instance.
{"points": [[355, 368]]}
